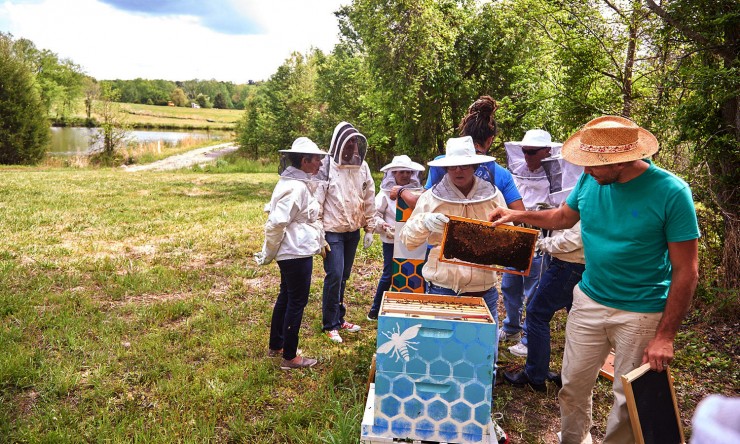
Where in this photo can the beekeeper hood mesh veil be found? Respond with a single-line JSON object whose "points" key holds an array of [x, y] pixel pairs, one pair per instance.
{"points": [[348, 146], [301, 147]]}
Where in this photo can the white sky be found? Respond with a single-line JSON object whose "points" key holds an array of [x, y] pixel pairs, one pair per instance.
{"points": [[111, 43]]}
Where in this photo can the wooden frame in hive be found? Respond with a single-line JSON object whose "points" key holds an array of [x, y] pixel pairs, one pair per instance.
{"points": [[479, 244]]}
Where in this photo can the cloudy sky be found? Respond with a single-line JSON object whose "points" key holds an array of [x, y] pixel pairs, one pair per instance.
{"points": [[229, 40]]}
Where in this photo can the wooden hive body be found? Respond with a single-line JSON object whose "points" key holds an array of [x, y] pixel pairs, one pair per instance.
{"points": [[434, 368]]}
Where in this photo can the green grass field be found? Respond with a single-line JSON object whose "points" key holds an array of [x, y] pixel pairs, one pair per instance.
{"points": [[131, 311], [172, 117]]}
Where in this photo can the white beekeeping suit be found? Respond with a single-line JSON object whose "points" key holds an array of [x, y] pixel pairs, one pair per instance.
{"points": [[292, 229], [348, 199], [552, 178]]}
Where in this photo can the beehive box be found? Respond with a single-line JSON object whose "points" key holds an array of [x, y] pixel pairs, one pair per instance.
{"points": [[368, 437], [434, 368], [477, 243]]}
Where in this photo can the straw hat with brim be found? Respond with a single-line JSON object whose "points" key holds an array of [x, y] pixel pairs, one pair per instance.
{"points": [[537, 138], [607, 140], [460, 151], [401, 163], [304, 145]]}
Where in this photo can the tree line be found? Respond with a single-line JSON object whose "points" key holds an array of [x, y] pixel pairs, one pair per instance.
{"points": [[405, 72], [206, 93], [61, 84]]}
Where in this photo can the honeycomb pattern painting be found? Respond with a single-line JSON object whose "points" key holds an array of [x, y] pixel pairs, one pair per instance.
{"points": [[407, 265], [434, 380]]}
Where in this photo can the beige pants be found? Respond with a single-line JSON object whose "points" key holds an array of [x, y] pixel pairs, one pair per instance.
{"points": [[592, 330]]}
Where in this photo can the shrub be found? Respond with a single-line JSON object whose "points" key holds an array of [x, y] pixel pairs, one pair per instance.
{"points": [[24, 128]]}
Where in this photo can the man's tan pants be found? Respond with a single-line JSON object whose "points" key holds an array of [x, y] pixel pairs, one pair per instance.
{"points": [[592, 330]]}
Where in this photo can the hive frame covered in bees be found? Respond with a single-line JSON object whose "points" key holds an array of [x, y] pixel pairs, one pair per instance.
{"points": [[479, 244]]}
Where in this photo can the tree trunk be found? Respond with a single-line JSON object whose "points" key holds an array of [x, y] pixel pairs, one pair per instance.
{"points": [[629, 61]]}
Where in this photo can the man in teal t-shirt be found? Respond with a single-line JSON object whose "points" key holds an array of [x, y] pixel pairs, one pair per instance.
{"points": [[640, 239]]}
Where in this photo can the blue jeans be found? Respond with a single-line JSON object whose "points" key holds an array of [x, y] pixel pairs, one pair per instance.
{"points": [[338, 266], [385, 279], [490, 297], [516, 289], [554, 292], [295, 285]]}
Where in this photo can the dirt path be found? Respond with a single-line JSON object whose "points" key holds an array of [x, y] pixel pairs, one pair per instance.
{"points": [[201, 156]]}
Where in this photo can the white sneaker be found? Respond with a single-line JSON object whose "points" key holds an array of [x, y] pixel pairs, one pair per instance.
{"points": [[519, 350], [350, 327], [503, 336], [333, 335]]}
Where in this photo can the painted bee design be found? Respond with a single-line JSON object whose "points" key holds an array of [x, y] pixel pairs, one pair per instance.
{"points": [[400, 343]]}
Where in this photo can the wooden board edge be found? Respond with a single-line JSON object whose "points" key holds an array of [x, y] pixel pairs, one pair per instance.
{"points": [[629, 395]]}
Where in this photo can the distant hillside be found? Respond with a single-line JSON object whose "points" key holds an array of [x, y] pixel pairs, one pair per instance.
{"points": [[167, 117]]}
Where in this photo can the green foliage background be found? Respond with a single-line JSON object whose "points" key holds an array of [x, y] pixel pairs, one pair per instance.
{"points": [[24, 129], [405, 72]]}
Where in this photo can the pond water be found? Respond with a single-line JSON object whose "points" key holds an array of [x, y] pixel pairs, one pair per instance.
{"points": [[71, 141]]}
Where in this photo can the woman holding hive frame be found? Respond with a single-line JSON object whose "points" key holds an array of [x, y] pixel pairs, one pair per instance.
{"points": [[459, 193]]}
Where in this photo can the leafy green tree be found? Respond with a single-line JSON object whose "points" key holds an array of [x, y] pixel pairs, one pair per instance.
{"points": [[203, 101], [250, 134], [179, 98], [220, 101], [410, 50], [24, 128], [60, 81], [346, 91], [92, 92], [707, 80], [113, 127]]}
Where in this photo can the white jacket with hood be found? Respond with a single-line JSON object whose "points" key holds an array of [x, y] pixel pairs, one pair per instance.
{"points": [[348, 199], [385, 207], [565, 245], [292, 230], [447, 199]]}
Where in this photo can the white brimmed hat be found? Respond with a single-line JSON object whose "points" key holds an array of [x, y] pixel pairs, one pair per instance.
{"points": [[402, 162], [304, 145], [607, 140], [537, 138], [460, 151]]}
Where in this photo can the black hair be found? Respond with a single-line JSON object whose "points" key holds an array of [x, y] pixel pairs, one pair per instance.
{"points": [[296, 159], [480, 122]]}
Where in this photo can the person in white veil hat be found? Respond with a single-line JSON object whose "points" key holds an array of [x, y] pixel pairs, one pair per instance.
{"points": [[459, 193], [292, 237], [347, 204], [532, 177], [401, 172]]}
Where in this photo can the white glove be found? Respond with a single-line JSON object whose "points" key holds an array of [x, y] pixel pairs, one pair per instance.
{"points": [[389, 230], [435, 222], [367, 240], [260, 258]]}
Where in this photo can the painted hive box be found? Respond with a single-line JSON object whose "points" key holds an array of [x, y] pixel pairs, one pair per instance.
{"points": [[434, 368], [478, 244]]}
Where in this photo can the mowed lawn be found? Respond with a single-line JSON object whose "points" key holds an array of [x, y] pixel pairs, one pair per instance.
{"points": [[131, 311], [154, 116], [184, 117]]}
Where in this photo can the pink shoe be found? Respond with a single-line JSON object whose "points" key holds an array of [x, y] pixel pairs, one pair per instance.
{"points": [[350, 327]]}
